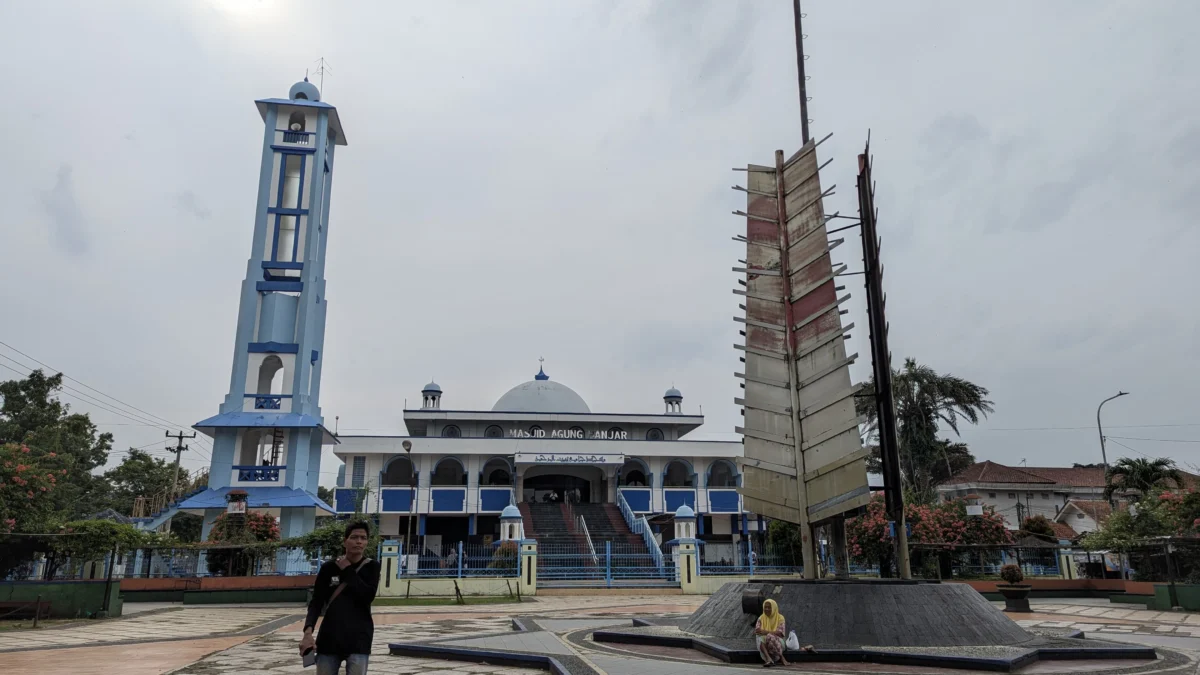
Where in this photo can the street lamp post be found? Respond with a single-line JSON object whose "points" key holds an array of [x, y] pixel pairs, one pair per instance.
{"points": [[412, 505], [1103, 453]]}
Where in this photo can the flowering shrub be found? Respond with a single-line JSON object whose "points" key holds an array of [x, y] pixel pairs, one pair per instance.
{"points": [[947, 524], [27, 476]]}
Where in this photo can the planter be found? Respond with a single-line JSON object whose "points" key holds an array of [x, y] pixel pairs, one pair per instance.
{"points": [[1016, 597]]}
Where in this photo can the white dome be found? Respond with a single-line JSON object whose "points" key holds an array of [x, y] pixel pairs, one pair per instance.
{"points": [[542, 396]]}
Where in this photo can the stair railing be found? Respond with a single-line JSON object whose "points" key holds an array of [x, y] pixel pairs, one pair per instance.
{"points": [[642, 527], [581, 524]]}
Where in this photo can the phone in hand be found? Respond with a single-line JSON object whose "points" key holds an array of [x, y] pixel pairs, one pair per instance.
{"points": [[310, 658]]}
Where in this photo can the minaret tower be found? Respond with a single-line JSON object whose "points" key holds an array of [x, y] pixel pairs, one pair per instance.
{"points": [[268, 435]]}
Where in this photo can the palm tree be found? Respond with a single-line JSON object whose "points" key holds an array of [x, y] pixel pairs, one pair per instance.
{"points": [[1140, 475], [925, 399]]}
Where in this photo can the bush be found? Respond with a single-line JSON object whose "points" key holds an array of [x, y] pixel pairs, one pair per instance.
{"points": [[1012, 574], [505, 557]]}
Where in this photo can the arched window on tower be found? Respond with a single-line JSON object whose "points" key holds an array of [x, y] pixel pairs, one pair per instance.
{"points": [[654, 434], [269, 392], [493, 431], [451, 431], [449, 473], [295, 129]]}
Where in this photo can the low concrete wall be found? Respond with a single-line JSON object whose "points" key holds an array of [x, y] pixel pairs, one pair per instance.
{"points": [[707, 585], [68, 599], [245, 596], [420, 588]]}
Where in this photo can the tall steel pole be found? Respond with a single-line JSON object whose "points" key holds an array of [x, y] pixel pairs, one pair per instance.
{"points": [[1100, 428], [797, 14], [412, 506]]}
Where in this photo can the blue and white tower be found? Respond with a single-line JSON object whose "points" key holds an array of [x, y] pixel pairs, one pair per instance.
{"points": [[268, 435]]}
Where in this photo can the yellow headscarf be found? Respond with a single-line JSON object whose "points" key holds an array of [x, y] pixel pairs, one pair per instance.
{"points": [[770, 623]]}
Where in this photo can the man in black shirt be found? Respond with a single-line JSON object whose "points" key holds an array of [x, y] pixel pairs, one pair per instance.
{"points": [[347, 585]]}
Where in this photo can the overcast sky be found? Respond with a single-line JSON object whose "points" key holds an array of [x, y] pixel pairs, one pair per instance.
{"points": [[551, 179]]}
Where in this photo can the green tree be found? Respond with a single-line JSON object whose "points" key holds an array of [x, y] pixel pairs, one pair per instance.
{"points": [[1039, 525], [1140, 475], [926, 399], [32, 416], [325, 494], [140, 474]]}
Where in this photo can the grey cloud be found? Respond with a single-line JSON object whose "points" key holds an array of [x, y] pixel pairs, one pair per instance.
{"points": [[187, 202], [68, 227]]}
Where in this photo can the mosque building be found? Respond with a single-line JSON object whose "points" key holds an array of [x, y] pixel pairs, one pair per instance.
{"points": [[540, 443]]}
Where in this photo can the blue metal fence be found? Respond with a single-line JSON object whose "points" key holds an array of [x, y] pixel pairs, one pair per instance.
{"points": [[460, 560], [747, 558]]}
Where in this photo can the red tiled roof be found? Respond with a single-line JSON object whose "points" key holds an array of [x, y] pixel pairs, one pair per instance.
{"points": [[1098, 509], [1089, 477], [991, 472], [1079, 477], [1064, 531]]}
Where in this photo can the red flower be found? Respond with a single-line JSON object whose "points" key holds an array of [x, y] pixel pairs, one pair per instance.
{"points": [[54, 454], [29, 494], [25, 449]]}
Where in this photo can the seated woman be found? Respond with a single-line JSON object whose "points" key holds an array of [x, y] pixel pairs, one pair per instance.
{"points": [[769, 633]]}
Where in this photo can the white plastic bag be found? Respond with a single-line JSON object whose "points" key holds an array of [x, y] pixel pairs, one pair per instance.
{"points": [[793, 642]]}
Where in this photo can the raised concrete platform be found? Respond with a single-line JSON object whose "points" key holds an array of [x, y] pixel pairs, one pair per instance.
{"points": [[875, 612]]}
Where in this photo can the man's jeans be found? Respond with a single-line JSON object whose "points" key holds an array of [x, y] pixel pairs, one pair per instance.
{"points": [[327, 664]]}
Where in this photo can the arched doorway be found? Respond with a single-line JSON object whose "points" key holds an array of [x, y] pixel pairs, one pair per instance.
{"points": [[550, 484]]}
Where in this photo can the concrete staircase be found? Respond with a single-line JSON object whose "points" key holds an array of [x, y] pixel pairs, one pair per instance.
{"points": [[564, 558]]}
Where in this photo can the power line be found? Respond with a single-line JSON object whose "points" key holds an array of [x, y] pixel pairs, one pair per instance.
{"points": [[149, 418], [149, 415], [1157, 440], [87, 400], [1087, 428]]}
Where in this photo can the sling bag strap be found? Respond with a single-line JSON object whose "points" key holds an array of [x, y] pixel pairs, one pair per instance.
{"points": [[342, 586]]}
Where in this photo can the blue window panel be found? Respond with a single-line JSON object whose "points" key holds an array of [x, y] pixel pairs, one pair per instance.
{"points": [[280, 265], [272, 348], [343, 500], [493, 499], [449, 499], [293, 150], [638, 500], [678, 499], [396, 500], [286, 286], [722, 501]]}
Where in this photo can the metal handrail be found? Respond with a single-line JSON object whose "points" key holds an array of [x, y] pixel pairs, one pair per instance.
{"points": [[641, 526], [581, 524]]}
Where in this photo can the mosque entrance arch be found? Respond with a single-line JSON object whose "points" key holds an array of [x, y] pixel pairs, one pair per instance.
{"points": [[555, 483]]}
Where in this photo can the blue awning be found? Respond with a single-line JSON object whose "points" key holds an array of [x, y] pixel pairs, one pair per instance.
{"points": [[265, 420], [257, 498]]}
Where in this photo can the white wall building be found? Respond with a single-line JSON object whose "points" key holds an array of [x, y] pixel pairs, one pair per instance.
{"points": [[539, 442], [1020, 492]]}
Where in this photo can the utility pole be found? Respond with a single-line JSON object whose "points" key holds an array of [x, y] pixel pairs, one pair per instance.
{"points": [[178, 450]]}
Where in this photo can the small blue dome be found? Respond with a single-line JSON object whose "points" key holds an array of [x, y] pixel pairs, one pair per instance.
{"points": [[673, 393], [432, 388], [684, 511], [511, 511], [541, 376], [304, 90]]}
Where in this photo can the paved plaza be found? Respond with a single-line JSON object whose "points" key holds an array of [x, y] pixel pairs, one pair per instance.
{"points": [[216, 640]]}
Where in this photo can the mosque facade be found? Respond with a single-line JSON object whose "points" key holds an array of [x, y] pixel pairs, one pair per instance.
{"points": [[539, 443]]}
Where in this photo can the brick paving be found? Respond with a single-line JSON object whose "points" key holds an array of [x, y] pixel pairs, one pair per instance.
{"points": [[214, 640]]}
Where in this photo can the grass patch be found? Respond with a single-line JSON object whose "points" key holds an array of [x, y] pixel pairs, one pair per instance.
{"points": [[429, 601]]}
